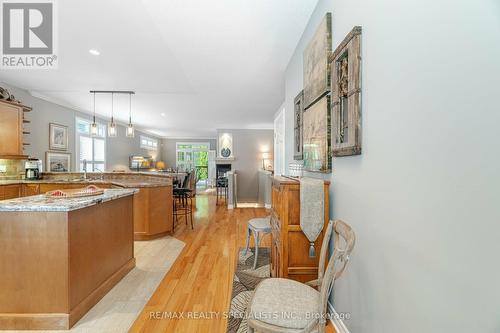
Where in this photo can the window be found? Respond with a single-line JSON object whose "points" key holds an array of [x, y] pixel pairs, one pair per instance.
{"points": [[191, 156], [149, 143], [91, 149]]}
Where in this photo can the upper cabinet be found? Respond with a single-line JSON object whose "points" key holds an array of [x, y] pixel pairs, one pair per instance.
{"points": [[12, 131]]}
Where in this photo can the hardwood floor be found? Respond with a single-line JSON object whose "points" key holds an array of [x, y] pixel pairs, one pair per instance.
{"points": [[200, 280]]}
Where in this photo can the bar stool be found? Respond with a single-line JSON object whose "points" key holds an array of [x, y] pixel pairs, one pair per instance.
{"points": [[256, 226], [183, 201]]}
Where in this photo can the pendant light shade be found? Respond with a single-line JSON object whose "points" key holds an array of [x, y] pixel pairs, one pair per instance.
{"points": [[112, 125], [130, 127], [93, 126]]}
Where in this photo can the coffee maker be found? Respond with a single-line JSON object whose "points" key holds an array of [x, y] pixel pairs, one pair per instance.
{"points": [[33, 169]]}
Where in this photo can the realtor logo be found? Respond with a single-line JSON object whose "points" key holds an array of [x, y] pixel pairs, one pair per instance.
{"points": [[28, 34]]}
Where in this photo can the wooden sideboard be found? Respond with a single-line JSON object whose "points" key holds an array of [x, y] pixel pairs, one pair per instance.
{"points": [[289, 246], [11, 130]]}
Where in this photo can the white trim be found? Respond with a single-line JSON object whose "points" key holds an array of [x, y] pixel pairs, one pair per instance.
{"points": [[77, 143], [336, 321], [230, 206], [268, 206]]}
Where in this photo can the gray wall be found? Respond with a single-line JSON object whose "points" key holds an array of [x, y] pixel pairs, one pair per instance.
{"points": [[423, 196], [117, 149], [248, 145], [169, 145]]}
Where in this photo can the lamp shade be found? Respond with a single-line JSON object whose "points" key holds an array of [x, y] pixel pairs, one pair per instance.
{"points": [[160, 165]]}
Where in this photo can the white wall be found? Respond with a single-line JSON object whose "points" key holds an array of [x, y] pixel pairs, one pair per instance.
{"points": [[424, 196], [248, 146]]}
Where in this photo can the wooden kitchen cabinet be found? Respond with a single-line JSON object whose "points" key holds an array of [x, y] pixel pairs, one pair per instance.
{"points": [[153, 212], [289, 246], [11, 130], [10, 191], [30, 189]]}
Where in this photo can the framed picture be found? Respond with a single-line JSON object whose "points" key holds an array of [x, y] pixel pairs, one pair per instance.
{"points": [[58, 162], [317, 137], [346, 95], [58, 137], [316, 64], [297, 126]]}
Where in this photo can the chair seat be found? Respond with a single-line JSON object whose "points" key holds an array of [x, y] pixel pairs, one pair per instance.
{"points": [[285, 303], [261, 224]]}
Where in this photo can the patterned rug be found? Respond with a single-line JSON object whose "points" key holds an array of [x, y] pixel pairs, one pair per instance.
{"points": [[244, 282]]}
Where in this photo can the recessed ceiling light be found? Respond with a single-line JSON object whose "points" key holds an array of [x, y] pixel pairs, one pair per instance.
{"points": [[94, 52], [163, 114]]}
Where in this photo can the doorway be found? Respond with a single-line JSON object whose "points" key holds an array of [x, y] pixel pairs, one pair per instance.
{"points": [[193, 156]]}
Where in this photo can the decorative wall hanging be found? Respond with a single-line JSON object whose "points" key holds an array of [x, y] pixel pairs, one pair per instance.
{"points": [[58, 137], [346, 95], [316, 64], [317, 135], [298, 126], [225, 145], [58, 162]]}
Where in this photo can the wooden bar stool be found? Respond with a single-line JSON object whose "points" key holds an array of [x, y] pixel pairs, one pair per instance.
{"points": [[256, 226]]}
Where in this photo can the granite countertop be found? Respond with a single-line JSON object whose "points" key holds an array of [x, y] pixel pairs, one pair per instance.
{"points": [[117, 182], [40, 203]]}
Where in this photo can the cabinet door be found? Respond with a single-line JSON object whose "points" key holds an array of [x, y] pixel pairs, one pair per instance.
{"points": [[11, 191], [11, 130], [30, 189]]}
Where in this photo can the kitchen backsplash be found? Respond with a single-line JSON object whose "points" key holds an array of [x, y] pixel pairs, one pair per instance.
{"points": [[11, 169]]}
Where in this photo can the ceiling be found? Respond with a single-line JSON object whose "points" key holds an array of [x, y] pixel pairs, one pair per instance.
{"points": [[203, 64]]}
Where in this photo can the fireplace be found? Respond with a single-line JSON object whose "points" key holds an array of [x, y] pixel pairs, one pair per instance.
{"points": [[221, 169]]}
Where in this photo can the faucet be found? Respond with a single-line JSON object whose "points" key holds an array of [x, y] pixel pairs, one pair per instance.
{"points": [[84, 169], [101, 172]]}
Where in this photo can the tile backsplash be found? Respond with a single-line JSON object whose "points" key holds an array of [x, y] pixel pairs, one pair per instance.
{"points": [[11, 169]]}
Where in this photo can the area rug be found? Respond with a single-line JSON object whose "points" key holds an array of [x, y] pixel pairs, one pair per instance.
{"points": [[117, 311], [244, 282]]}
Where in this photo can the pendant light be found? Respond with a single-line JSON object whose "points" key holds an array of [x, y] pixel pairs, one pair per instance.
{"points": [[93, 126], [130, 127], [112, 126]]}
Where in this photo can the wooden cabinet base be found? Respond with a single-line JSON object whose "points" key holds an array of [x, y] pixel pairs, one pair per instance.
{"points": [[290, 247], [63, 321], [153, 213], [57, 265]]}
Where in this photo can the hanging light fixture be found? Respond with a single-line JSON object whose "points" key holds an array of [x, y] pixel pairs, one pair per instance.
{"points": [[112, 126], [93, 126], [130, 127]]}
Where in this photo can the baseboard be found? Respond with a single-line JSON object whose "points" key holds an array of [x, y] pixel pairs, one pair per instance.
{"points": [[337, 323], [268, 206], [230, 206]]}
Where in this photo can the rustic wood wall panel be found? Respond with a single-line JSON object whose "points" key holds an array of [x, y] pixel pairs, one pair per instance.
{"points": [[317, 137], [346, 95], [298, 126], [316, 64]]}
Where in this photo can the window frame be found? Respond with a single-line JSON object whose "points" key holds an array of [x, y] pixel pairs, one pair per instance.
{"points": [[79, 134], [191, 151], [154, 143]]}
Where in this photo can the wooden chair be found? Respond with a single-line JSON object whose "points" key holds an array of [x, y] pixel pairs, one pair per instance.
{"points": [[285, 306]]}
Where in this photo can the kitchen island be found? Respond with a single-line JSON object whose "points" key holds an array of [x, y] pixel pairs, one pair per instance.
{"points": [[59, 257], [152, 202]]}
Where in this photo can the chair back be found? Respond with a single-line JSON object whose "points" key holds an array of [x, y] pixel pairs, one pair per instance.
{"points": [[186, 180], [343, 244]]}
